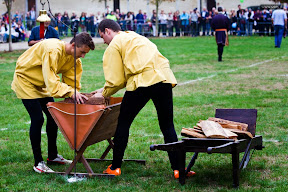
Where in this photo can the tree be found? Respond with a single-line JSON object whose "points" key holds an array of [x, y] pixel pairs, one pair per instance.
{"points": [[157, 3], [8, 4]]}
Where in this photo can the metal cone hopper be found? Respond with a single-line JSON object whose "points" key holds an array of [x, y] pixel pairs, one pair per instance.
{"points": [[43, 17]]}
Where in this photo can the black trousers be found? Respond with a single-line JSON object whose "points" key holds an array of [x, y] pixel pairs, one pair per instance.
{"points": [[220, 51], [35, 108], [133, 102], [163, 28]]}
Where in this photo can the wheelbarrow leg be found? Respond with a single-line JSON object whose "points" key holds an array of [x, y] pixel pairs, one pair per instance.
{"points": [[235, 163], [191, 164], [246, 160], [181, 159]]}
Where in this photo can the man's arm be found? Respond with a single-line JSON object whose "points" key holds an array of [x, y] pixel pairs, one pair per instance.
{"points": [[55, 87], [113, 68], [33, 42], [98, 90], [68, 78], [33, 39]]}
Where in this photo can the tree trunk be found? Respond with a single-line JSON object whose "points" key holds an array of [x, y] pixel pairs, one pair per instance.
{"points": [[8, 4], [157, 20], [10, 25]]}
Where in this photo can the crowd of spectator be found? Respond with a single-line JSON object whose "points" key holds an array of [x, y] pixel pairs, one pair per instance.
{"points": [[243, 22], [18, 29]]}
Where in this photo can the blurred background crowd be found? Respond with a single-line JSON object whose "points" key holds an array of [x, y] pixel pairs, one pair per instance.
{"points": [[243, 22]]}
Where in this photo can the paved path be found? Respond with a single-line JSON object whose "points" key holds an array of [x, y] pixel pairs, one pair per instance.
{"points": [[24, 45]]}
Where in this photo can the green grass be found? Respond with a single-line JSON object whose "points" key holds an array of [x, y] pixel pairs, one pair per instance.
{"points": [[253, 75]]}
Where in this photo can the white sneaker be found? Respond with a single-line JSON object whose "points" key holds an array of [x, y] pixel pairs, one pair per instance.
{"points": [[58, 160], [42, 168]]}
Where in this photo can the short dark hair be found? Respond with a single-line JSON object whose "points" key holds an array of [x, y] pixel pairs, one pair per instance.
{"points": [[220, 9], [110, 24], [83, 39]]}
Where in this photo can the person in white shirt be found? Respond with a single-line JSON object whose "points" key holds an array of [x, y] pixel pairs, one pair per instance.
{"points": [[3, 36], [250, 21], [14, 34], [194, 22], [129, 21], [33, 16], [163, 23], [279, 20], [108, 10]]}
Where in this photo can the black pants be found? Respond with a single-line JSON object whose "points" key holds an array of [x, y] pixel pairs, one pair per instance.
{"points": [[163, 28], [220, 51], [133, 102], [35, 108], [194, 27]]}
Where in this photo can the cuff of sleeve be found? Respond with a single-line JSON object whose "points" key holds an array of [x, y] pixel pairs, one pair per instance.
{"points": [[70, 94], [105, 93]]}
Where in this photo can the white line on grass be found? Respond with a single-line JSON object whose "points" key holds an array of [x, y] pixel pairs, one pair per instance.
{"points": [[270, 140], [286, 75], [145, 135], [21, 130], [229, 71]]}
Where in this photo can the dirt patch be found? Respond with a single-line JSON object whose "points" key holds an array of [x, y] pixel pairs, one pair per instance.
{"points": [[276, 86]]}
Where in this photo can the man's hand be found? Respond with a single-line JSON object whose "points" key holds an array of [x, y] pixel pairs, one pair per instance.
{"points": [[79, 97], [98, 91], [99, 95]]}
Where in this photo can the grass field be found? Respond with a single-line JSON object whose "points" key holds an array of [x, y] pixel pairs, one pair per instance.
{"points": [[253, 74]]}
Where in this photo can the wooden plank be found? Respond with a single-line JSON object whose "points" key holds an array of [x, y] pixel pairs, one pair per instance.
{"points": [[109, 147], [230, 124], [143, 162], [215, 130], [86, 164], [175, 146], [81, 175], [206, 142], [192, 133]]}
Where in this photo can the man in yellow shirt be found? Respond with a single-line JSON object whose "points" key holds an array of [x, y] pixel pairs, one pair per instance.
{"points": [[134, 62], [36, 82]]}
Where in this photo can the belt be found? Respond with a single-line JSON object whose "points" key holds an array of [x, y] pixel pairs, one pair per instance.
{"points": [[221, 30]]}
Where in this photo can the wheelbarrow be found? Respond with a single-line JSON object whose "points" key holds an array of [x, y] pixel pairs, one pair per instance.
{"points": [[211, 145]]}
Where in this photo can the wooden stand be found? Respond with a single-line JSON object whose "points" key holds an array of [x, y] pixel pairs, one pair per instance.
{"points": [[95, 123], [207, 145]]}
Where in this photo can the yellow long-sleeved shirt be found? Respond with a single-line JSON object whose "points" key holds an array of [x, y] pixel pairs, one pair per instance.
{"points": [[133, 61], [37, 69]]}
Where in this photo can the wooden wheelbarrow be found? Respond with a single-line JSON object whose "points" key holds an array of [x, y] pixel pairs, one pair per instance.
{"points": [[95, 123], [209, 145]]}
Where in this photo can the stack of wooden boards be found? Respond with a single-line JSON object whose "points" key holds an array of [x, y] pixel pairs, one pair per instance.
{"points": [[218, 128]]}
